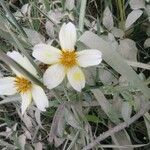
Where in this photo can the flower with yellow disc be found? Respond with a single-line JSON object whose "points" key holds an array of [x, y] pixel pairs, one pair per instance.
{"points": [[22, 85], [66, 61]]}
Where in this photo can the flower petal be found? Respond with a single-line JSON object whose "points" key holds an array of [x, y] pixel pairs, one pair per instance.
{"points": [[7, 86], [67, 36], [46, 53], [23, 61], [89, 57], [54, 75], [26, 100], [40, 98], [76, 78]]}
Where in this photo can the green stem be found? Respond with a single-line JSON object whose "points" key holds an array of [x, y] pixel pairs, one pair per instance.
{"points": [[82, 14], [120, 3]]}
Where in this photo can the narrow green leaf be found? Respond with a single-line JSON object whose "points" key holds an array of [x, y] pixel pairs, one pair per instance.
{"points": [[45, 15], [93, 118], [82, 14], [106, 106], [70, 119], [12, 18], [35, 22], [122, 138]]}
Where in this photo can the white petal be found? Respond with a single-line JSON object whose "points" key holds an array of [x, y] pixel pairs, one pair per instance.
{"points": [[89, 57], [23, 61], [67, 36], [76, 78], [46, 53], [54, 75], [26, 100], [40, 98], [7, 86]]}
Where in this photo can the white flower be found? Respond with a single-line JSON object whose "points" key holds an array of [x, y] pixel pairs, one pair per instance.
{"points": [[22, 85], [66, 61]]}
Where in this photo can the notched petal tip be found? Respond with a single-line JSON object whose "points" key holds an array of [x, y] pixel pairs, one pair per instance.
{"points": [[67, 36]]}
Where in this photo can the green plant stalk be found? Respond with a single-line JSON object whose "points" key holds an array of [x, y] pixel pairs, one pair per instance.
{"points": [[121, 10], [34, 13], [123, 7], [21, 48], [10, 62], [82, 14], [117, 15], [13, 18]]}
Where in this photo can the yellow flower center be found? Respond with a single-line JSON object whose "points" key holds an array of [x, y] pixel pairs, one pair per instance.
{"points": [[22, 84], [68, 59]]}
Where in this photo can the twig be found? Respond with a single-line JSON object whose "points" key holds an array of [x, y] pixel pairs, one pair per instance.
{"points": [[117, 128]]}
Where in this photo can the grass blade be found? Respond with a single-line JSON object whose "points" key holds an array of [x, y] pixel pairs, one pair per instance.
{"points": [[45, 15], [12, 18], [82, 14], [106, 105]]}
